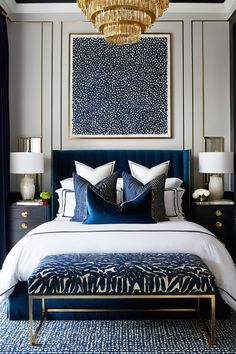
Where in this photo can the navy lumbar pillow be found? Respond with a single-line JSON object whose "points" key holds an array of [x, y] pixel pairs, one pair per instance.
{"points": [[136, 211], [106, 188]]}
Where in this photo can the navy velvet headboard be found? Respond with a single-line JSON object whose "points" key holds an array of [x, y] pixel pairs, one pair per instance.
{"points": [[63, 164]]}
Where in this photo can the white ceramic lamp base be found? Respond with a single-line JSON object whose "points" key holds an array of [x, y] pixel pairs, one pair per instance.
{"points": [[27, 187], [216, 187]]}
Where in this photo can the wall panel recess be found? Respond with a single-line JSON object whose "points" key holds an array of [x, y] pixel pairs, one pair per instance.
{"points": [[211, 87], [25, 84], [47, 102], [25, 80], [216, 80]]}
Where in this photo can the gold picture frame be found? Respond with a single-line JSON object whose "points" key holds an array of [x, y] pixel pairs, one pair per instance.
{"points": [[214, 144]]}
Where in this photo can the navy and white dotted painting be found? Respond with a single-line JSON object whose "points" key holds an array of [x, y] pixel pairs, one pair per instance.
{"points": [[120, 91]]}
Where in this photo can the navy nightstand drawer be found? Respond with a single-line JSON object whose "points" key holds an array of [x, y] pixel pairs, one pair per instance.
{"points": [[23, 219], [36, 213], [219, 219]]}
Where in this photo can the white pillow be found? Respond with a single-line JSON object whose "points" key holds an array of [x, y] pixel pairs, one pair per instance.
{"points": [[94, 175], [119, 184], [145, 174], [67, 183], [173, 182], [170, 183], [119, 190], [173, 202], [66, 200], [66, 196]]}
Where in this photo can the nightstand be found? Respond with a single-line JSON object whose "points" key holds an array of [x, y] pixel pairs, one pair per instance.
{"points": [[218, 217], [22, 219]]}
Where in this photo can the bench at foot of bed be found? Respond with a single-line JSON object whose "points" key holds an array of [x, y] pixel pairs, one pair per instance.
{"points": [[122, 276]]}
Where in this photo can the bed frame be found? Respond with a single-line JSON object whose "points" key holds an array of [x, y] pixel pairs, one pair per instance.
{"points": [[63, 167]]}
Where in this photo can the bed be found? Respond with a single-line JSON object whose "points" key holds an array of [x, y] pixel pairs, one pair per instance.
{"points": [[61, 235]]}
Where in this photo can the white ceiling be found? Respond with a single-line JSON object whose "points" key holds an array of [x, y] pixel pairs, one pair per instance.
{"points": [[227, 8]]}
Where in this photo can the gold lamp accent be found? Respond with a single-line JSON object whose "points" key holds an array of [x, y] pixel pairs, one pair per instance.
{"points": [[123, 21]]}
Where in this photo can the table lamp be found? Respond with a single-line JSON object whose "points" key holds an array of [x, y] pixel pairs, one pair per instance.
{"points": [[27, 164], [216, 163]]}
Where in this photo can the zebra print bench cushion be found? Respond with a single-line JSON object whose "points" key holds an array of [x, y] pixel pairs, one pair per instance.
{"points": [[140, 273]]}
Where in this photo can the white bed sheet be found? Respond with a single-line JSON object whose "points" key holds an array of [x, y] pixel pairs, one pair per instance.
{"points": [[63, 236]]}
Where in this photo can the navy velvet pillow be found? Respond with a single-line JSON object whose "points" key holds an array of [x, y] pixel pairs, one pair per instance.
{"points": [[106, 188], [132, 187], [136, 211]]}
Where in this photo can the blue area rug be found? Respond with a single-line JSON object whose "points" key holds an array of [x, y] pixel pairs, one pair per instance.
{"points": [[116, 336]]}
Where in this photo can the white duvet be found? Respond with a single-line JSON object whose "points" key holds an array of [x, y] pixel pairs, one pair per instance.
{"points": [[63, 236]]}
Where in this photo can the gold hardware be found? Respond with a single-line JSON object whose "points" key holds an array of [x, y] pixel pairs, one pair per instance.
{"points": [[24, 214], [219, 212], [219, 225], [24, 225]]}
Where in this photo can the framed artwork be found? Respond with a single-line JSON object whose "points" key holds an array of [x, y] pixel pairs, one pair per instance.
{"points": [[214, 143], [119, 91]]}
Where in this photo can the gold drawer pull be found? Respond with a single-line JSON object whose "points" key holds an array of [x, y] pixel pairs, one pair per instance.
{"points": [[24, 214], [219, 225], [24, 225], [219, 212]]}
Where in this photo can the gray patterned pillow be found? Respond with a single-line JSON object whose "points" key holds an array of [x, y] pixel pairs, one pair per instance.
{"points": [[106, 188], [132, 188]]}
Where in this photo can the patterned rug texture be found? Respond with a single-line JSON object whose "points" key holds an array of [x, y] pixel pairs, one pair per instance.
{"points": [[116, 336]]}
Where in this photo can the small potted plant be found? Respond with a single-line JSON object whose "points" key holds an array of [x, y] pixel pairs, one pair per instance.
{"points": [[201, 194], [45, 195]]}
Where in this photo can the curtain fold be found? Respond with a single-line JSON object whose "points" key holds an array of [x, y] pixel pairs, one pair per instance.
{"points": [[4, 137]]}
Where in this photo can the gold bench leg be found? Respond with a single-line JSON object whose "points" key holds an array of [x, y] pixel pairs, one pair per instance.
{"points": [[31, 320], [213, 321], [33, 336], [210, 332]]}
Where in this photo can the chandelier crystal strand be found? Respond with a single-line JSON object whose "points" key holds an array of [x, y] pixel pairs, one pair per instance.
{"points": [[123, 21], [162, 6]]}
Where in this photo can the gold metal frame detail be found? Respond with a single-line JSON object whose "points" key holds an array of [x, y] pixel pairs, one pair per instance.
{"points": [[210, 331]]}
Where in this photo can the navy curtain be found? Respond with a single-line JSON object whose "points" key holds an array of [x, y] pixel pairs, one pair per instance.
{"points": [[4, 137]]}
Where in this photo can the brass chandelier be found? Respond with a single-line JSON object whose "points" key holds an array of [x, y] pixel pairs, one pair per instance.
{"points": [[123, 21]]}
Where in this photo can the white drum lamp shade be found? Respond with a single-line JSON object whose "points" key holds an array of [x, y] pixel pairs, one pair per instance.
{"points": [[28, 164], [216, 163]]}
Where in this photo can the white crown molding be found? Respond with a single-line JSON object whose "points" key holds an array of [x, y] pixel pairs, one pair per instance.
{"points": [[204, 8], [44, 8], [230, 7], [196, 8], [8, 5]]}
